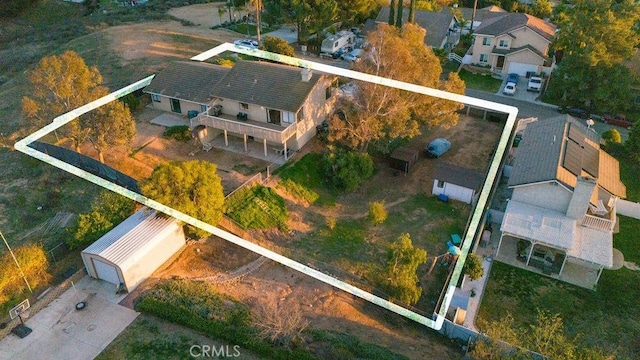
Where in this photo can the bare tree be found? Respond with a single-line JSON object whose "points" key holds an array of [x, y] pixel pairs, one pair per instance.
{"points": [[281, 324]]}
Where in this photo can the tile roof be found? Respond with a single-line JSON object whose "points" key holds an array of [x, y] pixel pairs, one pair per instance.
{"points": [[436, 23], [266, 84], [502, 25], [187, 80], [562, 149], [470, 179]]}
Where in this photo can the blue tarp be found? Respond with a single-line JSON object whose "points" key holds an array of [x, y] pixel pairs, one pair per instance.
{"points": [[438, 147]]}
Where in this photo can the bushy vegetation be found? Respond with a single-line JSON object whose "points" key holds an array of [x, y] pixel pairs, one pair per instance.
{"points": [[345, 346], [35, 266], [277, 45], [304, 179], [612, 136], [377, 212], [348, 169], [179, 132], [108, 211], [473, 267], [402, 281], [257, 207]]}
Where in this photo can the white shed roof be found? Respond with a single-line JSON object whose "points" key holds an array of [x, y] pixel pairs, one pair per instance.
{"points": [[131, 236], [593, 245]]}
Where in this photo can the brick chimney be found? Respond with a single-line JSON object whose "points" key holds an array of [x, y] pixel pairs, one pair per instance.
{"points": [[580, 199], [306, 75]]}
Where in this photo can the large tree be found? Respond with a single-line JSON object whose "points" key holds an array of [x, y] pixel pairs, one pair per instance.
{"points": [[403, 260], [192, 187], [308, 16], [277, 45], [599, 31], [356, 11], [65, 82], [380, 112]]}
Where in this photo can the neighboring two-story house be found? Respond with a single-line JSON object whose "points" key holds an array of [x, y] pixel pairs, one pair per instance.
{"points": [[276, 105], [514, 43], [561, 216]]}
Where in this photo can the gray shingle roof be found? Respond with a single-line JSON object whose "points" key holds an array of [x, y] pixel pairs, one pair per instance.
{"points": [[502, 25], [561, 149], [471, 179], [518, 49], [187, 80], [436, 23], [266, 84]]}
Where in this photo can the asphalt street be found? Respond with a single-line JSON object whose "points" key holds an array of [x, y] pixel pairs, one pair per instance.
{"points": [[525, 109]]}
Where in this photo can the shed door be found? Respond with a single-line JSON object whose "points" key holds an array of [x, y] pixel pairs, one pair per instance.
{"points": [[106, 272]]}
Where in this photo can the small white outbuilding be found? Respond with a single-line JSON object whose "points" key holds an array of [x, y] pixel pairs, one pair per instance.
{"points": [[134, 249], [457, 183]]}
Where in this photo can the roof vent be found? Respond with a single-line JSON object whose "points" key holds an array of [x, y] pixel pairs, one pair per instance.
{"points": [[306, 75]]}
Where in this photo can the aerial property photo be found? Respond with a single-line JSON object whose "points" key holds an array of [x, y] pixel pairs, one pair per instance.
{"points": [[188, 181]]}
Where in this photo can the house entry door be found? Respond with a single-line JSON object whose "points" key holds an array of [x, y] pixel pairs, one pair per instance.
{"points": [[274, 116], [175, 106]]}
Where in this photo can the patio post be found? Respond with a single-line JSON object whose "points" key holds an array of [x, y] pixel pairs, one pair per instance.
{"points": [[563, 262], [499, 243], [244, 136], [530, 252], [264, 141], [599, 273], [226, 140], [285, 151]]}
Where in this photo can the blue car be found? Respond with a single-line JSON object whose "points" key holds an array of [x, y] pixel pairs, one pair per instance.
{"points": [[437, 147], [513, 78]]}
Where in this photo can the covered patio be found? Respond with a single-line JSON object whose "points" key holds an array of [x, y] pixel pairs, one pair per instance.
{"points": [[549, 243]]}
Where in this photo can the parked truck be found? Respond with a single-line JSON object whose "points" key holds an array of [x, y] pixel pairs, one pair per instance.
{"points": [[337, 42]]}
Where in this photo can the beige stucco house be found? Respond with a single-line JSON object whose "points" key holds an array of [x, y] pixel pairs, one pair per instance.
{"points": [[514, 43], [276, 105], [561, 217]]}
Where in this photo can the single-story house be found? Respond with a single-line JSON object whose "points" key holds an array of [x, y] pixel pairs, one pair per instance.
{"points": [[403, 158], [276, 105], [134, 249], [457, 183]]}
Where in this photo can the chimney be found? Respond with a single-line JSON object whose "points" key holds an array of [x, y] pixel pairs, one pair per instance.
{"points": [[580, 199], [306, 75]]}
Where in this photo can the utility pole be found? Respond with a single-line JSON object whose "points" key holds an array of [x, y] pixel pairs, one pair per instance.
{"points": [[473, 15], [16, 261], [258, 25]]}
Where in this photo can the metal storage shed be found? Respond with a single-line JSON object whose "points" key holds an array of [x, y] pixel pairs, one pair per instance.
{"points": [[134, 249], [403, 157]]}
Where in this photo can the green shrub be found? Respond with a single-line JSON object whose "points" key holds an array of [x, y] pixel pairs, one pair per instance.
{"points": [[132, 102], [348, 169], [377, 212], [180, 133], [108, 211], [473, 267], [612, 136]]}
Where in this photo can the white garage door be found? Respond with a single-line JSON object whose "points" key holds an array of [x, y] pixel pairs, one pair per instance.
{"points": [[521, 68], [106, 272]]}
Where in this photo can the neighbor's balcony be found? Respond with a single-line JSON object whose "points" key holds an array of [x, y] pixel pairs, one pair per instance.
{"points": [[257, 129], [600, 223]]}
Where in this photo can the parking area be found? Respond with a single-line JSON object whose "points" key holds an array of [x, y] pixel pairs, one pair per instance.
{"points": [[521, 91], [62, 332]]}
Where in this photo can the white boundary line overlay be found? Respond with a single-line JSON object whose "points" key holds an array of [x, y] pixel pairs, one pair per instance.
{"points": [[23, 146]]}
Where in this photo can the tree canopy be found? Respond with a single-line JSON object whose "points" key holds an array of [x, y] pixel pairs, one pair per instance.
{"points": [[277, 45], [599, 31], [473, 267], [308, 16], [34, 264], [402, 263], [192, 187], [65, 82], [380, 112]]}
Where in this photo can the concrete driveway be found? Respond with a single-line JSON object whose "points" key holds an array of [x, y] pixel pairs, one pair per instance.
{"points": [[521, 91], [61, 332]]}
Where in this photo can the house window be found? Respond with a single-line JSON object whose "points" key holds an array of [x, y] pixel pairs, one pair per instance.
{"points": [[440, 184], [486, 41], [503, 44], [244, 106], [274, 116], [484, 58], [288, 117], [175, 106], [155, 97], [203, 108], [300, 114]]}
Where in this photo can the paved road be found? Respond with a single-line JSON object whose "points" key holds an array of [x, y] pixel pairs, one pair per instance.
{"points": [[526, 109]]}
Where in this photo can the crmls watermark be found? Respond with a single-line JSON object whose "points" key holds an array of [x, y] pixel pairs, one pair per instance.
{"points": [[211, 351]]}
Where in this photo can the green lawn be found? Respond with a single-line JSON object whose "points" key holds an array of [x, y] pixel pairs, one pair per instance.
{"points": [[305, 179], [257, 207], [480, 82], [605, 318], [249, 29]]}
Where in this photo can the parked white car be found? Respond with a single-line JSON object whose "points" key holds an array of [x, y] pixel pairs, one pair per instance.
{"points": [[247, 44], [509, 89], [535, 84]]}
